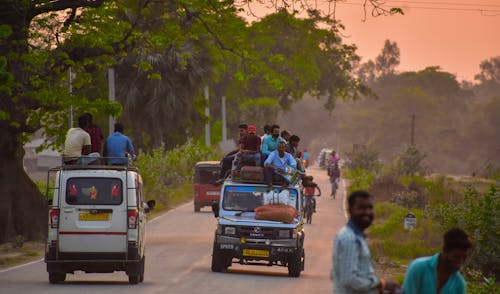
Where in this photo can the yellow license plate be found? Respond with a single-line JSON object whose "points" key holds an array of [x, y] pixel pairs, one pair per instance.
{"points": [[254, 252], [94, 216]]}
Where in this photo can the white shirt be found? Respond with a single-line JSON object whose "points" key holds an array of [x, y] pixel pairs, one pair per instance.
{"points": [[76, 138]]}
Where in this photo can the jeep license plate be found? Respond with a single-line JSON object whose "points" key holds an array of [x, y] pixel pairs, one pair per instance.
{"points": [[94, 216], [213, 193], [255, 252]]}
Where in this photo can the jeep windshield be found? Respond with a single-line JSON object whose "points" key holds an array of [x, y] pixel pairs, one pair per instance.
{"points": [[247, 198]]}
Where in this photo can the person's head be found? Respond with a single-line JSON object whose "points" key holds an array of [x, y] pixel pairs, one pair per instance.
{"points": [[252, 130], [361, 209], [285, 135], [83, 121], [90, 117], [294, 140], [242, 129], [281, 147], [456, 248], [275, 131], [118, 127], [267, 129], [333, 153]]}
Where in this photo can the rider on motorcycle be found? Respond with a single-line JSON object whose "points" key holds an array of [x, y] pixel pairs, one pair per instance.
{"points": [[308, 190]]}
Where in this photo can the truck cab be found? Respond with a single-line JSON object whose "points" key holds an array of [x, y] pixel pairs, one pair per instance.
{"points": [[241, 238], [97, 219]]}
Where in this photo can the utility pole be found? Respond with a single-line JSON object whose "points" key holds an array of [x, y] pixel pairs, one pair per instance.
{"points": [[224, 130], [111, 87], [70, 90], [412, 139], [207, 114]]}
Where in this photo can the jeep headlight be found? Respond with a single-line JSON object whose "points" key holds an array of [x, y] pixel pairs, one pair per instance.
{"points": [[284, 233], [229, 231]]}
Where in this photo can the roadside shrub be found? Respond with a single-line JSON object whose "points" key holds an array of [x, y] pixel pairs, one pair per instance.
{"points": [[163, 171], [360, 179], [410, 162], [478, 215], [363, 158], [391, 239], [385, 187]]}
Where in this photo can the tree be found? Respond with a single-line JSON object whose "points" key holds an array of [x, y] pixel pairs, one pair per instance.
{"points": [[37, 45], [388, 59], [410, 162]]}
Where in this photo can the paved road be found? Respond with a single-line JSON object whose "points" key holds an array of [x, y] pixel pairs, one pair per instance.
{"points": [[179, 255]]}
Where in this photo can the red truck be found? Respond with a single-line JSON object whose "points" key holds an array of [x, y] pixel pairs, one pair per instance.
{"points": [[205, 173]]}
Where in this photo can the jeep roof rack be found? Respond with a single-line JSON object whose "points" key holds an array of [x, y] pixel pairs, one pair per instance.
{"points": [[96, 163]]}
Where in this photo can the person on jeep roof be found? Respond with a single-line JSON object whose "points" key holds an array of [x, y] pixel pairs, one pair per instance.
{"points": [[270, 143], [249, 149], [277, 161], [228, 159]]}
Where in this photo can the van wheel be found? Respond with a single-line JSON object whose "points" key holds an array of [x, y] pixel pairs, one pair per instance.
{"points": [[141, 266], [296, 263], [55, 278], [197, 208], [134, 279]]}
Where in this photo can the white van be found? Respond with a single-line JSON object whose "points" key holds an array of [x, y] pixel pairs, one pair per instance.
{"points": [[97, 221]]}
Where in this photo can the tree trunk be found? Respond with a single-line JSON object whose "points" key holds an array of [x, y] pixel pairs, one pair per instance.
{"points": [[23, 210]]}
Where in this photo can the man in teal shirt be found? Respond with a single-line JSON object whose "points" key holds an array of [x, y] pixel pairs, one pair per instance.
{"points": [[439, 274]]}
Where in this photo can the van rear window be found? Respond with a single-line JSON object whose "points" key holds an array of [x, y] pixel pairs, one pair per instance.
{"points": [[94, 191]]}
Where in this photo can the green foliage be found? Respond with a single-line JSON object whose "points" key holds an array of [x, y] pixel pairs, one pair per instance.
{"points": [[164, 171], [391, 239], [410, 162], [478, 215], [361, 179], [363, 158]]}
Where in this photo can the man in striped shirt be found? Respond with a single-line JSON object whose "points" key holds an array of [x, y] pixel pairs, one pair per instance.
{"points": [[353, 271]]}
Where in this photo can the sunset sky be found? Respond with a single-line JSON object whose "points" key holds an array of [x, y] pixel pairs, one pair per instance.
{"points": [[455, 37], [453, 34]]}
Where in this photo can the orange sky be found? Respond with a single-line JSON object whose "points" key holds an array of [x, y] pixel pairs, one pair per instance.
{"points": [[454, 39]]}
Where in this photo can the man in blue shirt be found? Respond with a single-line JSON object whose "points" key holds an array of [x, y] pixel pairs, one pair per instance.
{"points": [[117, 145], [277, 161], [352, 270], [440, 273]]}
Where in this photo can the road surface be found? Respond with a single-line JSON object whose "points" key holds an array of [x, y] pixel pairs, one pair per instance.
{"points": [[178, 256]]}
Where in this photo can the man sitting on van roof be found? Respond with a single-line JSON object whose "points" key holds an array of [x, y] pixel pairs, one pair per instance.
{"points": [[117, 145], [277, 162], [77, 142]]}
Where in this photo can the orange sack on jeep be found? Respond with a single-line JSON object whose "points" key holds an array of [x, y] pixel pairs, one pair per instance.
{"points": [[280, 213]]}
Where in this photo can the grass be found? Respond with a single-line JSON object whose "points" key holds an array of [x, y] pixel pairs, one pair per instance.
{"points": [[10, 256]]}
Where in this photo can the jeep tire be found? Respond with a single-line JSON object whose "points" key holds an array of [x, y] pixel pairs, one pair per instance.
{"points": [[220, 260], [296, 263], [56, 277], [197, 207]]}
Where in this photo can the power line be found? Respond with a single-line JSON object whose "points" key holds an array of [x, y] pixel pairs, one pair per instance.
{"points": [[445, 3], [436, 8]]}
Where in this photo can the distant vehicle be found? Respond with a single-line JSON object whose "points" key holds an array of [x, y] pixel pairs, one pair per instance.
{"points": [[205, 173], [97, 220], [322, 158], [241, 238]]}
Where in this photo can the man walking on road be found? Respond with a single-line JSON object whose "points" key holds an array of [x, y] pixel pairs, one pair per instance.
{"points": [[440, 273], [353, 271]]}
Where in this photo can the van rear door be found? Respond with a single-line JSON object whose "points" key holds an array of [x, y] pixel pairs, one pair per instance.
{"points": [[93, 215]]}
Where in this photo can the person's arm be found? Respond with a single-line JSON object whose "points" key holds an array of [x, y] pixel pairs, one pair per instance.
{"points": [[87, 145], [269, 160], [319, 191], [348, 260], [130, 147], [291, 161], [265, 148]]}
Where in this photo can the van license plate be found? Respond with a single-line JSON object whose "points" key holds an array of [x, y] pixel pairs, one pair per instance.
{"points": [[254, 252], [94, 216]]}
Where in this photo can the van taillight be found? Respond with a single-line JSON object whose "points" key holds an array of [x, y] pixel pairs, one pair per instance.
{"points": [[54, 218], [132, 218]]}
